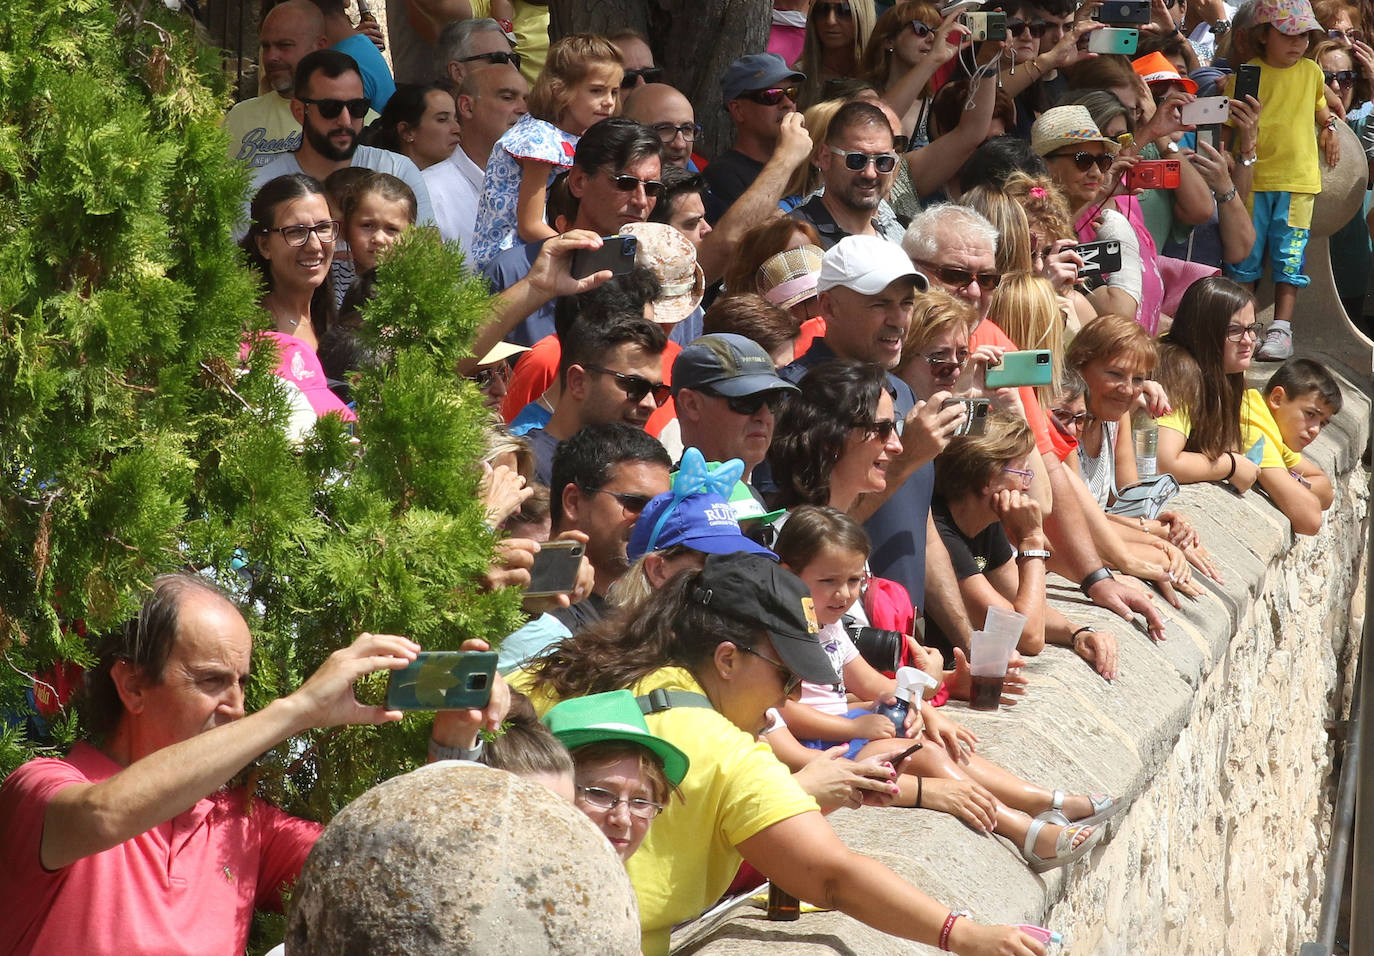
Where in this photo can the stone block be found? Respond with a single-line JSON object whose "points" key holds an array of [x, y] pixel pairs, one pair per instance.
{"points": [[460, 859]]}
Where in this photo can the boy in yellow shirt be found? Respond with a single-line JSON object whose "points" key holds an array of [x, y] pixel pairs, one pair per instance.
{"points": [[1300, 399]]}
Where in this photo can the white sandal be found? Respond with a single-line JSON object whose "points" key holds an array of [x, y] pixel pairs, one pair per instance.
{"points": [[1104, 808], [1064, 850]]}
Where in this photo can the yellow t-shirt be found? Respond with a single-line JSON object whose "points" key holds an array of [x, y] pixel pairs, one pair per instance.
{"points": [[735, 789], [1256, 424], [531, 34], [1287, 150]]}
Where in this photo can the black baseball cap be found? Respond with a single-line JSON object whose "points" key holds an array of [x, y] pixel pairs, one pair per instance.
{"points": [[727, 364], [756, 590]]}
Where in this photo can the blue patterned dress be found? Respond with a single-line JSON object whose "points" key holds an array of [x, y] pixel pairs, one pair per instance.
{"points": [[529, 138]]}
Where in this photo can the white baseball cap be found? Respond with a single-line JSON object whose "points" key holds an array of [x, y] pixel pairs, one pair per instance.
{"points": [[867, 265]]}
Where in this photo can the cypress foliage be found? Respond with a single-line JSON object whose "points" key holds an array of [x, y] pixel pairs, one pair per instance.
{"points": [[132, 439]]}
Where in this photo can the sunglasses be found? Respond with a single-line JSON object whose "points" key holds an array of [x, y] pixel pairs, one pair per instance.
{"points": [[750, 404], [633, 504], [494, 59], [941, 366], [299, 235], [635, 387], [651, 74], [1085, 161], [1347, 35], [841, 11], [882, 430], [962, 278], [628, 184], [667, 132], [330, 109], [485, 377], [1018, 27], [1339, 77], [763, 534], [858, 162], [921, 29], [773, 96], [790, 681]]}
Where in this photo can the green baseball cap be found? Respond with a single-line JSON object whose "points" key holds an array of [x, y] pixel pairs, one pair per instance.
{"points": [[614, 715]]}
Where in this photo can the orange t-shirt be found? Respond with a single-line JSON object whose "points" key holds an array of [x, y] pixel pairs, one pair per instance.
{"points": [[990, 333]]}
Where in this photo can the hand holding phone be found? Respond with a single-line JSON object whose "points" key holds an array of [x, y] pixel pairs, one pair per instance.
{"points": [[1247, 81], [617, 253], [1026, 367], [555, 568], [1113, 40], [443, 680]]}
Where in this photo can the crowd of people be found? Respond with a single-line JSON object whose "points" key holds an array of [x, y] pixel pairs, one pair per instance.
{"points": [[781, 415]]}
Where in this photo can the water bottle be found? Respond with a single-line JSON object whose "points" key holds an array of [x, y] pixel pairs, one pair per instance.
{"points": [[910, 680], [1145, 435]]}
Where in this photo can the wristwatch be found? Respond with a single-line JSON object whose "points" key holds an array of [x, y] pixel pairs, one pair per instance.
{"points": [[1171, 147], [1225, 197], [1249, 160], [1101, 574]]}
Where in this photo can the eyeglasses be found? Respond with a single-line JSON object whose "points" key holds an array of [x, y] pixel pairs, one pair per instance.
{"points": [[603, 799], [882, 430], [790, 680], [330, 109], [772, 96], [1085, 161], [1068, 418], [921, 28], [1026, 476], [841, 11], [858, 162], [942, 366], [1347, 35], [628, 184], [750, 404], [961, 278], [1018, 27], [632, 504], [500, 56], [667, 132], [1237, 333], [299, 235], [901, 143], [651, 74], [1339, 77], [635, 387]]}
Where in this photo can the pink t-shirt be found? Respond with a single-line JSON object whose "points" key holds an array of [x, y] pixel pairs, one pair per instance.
{"points": [[829, 698], [189, 885], [300, 366]]}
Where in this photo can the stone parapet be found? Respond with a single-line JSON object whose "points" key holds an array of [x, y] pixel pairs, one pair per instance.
{"points": [[1214, 737]]}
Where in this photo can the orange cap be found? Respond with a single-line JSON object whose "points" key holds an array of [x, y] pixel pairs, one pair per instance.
{"points": [[1156, 68]]}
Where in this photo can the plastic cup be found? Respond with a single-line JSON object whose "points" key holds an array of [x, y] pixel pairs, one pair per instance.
{"points": [[990, 654], [1005, 624]]}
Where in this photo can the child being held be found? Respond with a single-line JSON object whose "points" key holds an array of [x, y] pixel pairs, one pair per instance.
{"points": [[1298, 402]]}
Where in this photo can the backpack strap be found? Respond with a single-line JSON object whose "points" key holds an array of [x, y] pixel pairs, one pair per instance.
{"points": [[660, 700]]}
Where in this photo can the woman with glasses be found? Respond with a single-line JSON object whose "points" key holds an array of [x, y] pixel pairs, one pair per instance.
{"points": [[909, 45], [836, 32], [996, 540], [709, 654], [290, 242], [1212, 433]]}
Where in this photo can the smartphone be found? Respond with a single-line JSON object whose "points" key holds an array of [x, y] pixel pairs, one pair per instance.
{"points": [[1123, 11], [1154, 174], [1099, 258], [1211, 135], [617, 253], [986, 26], [1247, 81], [443, 680], [1113, 40], [1028, 367], [1207, 111], [975, 414], [555, 568]]}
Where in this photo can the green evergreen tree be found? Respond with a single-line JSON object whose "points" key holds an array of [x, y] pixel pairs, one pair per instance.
{"points": [[132, 439]]}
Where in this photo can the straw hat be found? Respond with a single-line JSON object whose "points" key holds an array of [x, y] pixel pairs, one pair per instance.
{"points": [[672, 259], [790, 276], [1067, 126]]}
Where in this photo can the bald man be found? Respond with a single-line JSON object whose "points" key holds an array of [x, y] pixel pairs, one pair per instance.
{"points": [[669, 114], [262, 127]]}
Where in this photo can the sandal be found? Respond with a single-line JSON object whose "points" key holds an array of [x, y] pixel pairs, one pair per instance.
{"points": [[1064, 850], [1104, 808]]}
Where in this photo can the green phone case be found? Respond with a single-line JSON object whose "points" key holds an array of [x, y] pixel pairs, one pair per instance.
{"points": [[443, 680], [1030, 367]]}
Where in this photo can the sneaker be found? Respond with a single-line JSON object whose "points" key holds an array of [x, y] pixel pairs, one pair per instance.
{"points": [[1277, 347]]}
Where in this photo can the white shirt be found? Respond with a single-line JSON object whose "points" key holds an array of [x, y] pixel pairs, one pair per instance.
{"points": [[455, 189]]}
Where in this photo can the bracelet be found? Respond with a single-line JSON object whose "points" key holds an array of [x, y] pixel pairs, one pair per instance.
{"points": [[944, 930], [920, 787], [1101, 574], [438, 751], [1230, 474], [1082, 630], [1041, 553], [1223, 198]]}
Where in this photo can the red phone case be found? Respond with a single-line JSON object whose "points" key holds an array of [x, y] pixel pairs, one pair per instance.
{"points": [[1154, 174]]}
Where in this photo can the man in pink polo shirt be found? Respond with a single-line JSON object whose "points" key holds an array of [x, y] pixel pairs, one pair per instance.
{"points": [[133, 846]]}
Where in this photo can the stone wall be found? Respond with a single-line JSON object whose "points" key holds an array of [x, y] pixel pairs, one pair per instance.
{"points": [[1216, 738]]}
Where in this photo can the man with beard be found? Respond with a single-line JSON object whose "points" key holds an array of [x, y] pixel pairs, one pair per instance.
{"points": [[856, 165], [329, 104]]}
